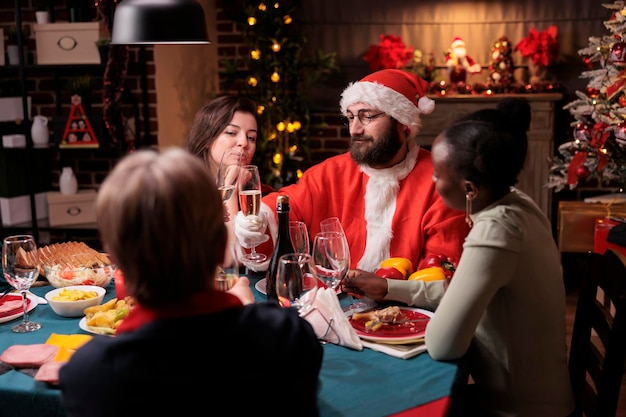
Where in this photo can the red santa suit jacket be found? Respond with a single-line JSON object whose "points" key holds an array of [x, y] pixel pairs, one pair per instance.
{"points": [[392, 212]]}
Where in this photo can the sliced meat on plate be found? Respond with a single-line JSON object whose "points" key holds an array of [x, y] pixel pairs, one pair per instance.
{"points": [[10, 305], [29, 356], [49, 372]]}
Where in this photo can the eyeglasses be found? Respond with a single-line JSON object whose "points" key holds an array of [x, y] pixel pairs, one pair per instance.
{"points": [[364, 117]]}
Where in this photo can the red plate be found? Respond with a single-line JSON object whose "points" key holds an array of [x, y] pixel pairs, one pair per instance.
{"points": [[13, 299], [397, 333]]}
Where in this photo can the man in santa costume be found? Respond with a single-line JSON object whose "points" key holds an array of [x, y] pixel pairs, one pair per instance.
{"points": [[458, 63], [382, 189]]}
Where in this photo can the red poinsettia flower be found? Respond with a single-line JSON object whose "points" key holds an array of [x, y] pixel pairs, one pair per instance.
{"points": [[541, 48], [391, 52]]}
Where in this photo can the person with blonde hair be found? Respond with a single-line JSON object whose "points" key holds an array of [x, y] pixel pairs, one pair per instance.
{"points": [[160, 218]]}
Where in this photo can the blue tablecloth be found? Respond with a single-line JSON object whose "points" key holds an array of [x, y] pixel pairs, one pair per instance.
{"points": [[353, 383]]}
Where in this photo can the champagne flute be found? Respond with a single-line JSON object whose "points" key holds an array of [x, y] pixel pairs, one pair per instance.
{"points": [[299, 234], [331, 257], [228, 271], [296, 282], [20, 265], [250, 202], [333, 224], [228, 173]]}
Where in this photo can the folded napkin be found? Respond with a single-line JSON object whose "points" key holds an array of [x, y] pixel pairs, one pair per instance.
{"points": [[399, 351], [330, 322]]}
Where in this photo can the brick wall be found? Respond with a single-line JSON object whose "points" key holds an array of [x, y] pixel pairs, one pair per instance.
{"points": [[51, 97], [328, 136], [49, 87]]}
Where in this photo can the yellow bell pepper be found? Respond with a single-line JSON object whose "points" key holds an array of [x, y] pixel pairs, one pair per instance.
{"points": [[403, 265], [434, 273]]}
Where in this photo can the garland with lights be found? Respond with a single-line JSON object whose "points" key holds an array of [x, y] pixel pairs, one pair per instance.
{"points": [[278, 78], [114, 77], [598, 149]]}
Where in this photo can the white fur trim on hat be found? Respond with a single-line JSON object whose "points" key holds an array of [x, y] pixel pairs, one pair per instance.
{"points": [[398, 93], [457, 42]]}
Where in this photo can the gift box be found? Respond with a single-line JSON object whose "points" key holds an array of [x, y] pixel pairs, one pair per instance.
{"points": [[601, 239], [577, 222]]}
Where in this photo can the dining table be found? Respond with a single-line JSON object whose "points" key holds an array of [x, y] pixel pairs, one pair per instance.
{"points": [[364, 383]]}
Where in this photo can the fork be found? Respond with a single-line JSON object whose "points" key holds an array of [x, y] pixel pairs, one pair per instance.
{"points": [[404, 321]]}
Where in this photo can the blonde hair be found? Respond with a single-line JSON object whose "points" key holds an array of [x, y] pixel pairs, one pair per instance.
{"points": [[160, 216]]}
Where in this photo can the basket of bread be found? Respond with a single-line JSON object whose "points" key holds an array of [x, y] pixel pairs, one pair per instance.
{"points": [[74, 263]]}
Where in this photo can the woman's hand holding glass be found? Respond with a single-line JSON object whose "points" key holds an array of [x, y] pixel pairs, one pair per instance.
{"points": [[296, 282], [228, 173], [227, 177]]}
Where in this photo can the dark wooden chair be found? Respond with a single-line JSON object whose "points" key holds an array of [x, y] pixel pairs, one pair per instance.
{"points": [[598, 346]]}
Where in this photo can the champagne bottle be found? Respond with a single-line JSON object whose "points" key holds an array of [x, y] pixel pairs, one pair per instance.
{"points": [[282, 245]]}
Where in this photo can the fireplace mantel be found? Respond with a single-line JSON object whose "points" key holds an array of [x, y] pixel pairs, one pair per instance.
{"points": [[540, 135]]}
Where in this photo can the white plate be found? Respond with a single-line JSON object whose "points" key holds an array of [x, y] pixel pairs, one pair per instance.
{"points": [[34, 301], [83, 325], [262, 287]]}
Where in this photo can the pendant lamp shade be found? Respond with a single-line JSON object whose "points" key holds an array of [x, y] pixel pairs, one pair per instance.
{"points": [[140, 22]]}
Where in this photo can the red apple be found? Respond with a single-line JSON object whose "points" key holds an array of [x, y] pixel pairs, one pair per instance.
{"points": [[389, 272]]}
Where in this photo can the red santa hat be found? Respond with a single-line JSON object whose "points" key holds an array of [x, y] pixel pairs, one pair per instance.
{"points": [[457, 42], [400, 94]]}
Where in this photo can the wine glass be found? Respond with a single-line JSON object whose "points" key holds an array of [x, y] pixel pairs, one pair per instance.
{"points": [[250, 202], [20, 265], [296, 282], [333, 224], [331, 257], [299, 234], [228, 270], [228, 173]]}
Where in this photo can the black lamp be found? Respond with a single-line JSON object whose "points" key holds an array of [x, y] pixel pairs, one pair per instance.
{"points": [[139, 22]]}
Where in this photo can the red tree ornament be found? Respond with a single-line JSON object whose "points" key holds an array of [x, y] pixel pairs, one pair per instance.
{"points": [[582, 172], [592, 92], [583, 132], [618, 54], [587, 62]]}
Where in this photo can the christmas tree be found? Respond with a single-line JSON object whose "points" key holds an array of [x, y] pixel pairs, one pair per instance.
{"points": [[597, 150], [278, 77], [501, 66]]}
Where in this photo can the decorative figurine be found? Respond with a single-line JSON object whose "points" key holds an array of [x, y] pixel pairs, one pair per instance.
{"points": [[459, 63]]}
